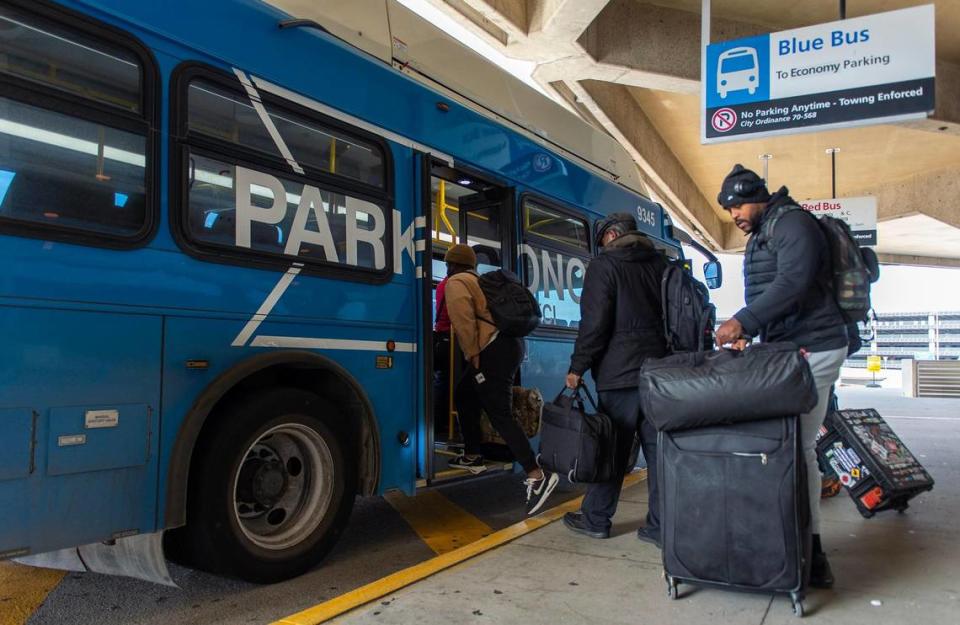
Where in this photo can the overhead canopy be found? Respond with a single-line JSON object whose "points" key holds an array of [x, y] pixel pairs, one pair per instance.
{"points": [[632, 67], [392, 33]]}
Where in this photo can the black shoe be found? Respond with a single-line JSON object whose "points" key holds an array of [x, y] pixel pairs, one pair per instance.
{"points": [[820, 574], [649, 535], [576, 523]]}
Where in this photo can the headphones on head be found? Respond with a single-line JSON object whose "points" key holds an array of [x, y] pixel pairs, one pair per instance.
{"points": [[746, 188]]}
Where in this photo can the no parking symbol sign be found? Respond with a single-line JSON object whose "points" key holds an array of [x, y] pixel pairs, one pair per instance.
{"points": [[724, 119]]}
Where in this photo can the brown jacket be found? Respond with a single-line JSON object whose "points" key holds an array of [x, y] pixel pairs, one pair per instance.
{"points": [[467, 307]]}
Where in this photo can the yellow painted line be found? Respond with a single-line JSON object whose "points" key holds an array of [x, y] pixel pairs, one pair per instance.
{"points": [[442, 524], [391, 583], [23, 589]]}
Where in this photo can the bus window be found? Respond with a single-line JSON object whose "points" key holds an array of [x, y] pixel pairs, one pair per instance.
{"points": [[671, 252], [63, 172], [330, 208], [46, 53], [555, 227], [480, 214], [78, 169], [224, 115], [466, 204], [556, 251], [314, 224]]}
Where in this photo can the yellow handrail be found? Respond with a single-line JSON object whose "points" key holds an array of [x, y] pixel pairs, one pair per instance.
{"points": [[443, 206]]}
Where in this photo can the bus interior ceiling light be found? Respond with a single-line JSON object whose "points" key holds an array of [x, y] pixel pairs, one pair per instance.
{"points": [[56, 139]]}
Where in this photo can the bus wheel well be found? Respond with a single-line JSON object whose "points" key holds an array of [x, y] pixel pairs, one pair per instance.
{"points": [[306, 371]]}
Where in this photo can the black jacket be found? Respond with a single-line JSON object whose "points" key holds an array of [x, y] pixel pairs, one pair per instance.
{"points": [[621, 323], [787, 274]]}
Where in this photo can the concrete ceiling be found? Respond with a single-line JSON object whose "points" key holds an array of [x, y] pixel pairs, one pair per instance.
{"points": [[903, 236], [779, 15], [632, 67], [868, 155]]}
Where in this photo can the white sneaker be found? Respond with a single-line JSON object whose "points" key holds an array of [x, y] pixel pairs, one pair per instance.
{"points": [[539, 489], [472, 464]]}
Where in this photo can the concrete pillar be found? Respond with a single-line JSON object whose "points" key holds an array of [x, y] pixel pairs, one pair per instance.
{"points": [[908, 371]]}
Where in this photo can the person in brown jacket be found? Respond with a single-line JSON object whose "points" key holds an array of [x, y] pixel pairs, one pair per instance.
{"points": [[487, 382]]}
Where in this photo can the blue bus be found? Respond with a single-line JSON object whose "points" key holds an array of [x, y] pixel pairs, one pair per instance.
{"points": [[220, 228]]}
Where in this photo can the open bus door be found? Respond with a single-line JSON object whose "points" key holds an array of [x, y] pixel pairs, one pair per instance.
{"points": [[461, 207]]}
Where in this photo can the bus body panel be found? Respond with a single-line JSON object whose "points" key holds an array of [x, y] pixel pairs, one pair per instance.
{"points": [[91, 479], [98, 328]]}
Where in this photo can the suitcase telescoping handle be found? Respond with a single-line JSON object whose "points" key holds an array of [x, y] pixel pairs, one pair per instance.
{"points": [[577, 397]]}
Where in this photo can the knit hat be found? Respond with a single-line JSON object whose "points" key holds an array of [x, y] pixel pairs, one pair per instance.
{"points": [[742, 186], [614, 219], [461, 254]]}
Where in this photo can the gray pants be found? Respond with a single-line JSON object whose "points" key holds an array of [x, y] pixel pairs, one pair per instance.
{"points": [[826, 372]]}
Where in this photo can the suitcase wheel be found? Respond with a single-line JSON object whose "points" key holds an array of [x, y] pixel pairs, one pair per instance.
{"points": [[797, 605], [672, 587]]}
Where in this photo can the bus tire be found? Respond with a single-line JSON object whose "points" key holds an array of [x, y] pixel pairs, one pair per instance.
{"points": [[271, 490]]}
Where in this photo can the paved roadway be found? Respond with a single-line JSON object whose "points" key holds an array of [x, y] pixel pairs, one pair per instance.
{"points": [[380, 541]]}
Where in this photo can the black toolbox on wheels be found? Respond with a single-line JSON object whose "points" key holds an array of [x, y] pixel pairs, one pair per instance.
{"points": [[734, 508], [870, 460]]}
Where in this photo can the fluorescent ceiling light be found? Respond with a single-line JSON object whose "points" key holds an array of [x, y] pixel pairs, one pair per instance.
{"points": [[23, 131]]}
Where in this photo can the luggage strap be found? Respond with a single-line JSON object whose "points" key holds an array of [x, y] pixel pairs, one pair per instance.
{"points": [[577, 397]]}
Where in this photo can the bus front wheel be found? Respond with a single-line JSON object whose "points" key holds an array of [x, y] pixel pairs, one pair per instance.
{"points": [[272, 490]]}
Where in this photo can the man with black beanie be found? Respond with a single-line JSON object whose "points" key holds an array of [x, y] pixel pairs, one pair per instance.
{"points": [[787, 277], [621, 325]]}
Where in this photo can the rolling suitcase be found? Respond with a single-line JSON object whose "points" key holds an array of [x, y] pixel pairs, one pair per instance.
{"points": [[871, 462], [734, 509]]}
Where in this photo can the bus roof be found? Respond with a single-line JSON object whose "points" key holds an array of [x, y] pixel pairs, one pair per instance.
{"points": [[398, 36]]}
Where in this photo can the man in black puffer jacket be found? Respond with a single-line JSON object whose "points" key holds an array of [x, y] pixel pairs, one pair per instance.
{"points": [[787, 275], [621, 325]]}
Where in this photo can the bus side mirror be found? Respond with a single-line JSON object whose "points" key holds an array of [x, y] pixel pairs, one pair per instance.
{"points": [[713, 274]]}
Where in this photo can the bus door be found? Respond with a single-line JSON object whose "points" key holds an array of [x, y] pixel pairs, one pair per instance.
{"points": [[464, 208]]}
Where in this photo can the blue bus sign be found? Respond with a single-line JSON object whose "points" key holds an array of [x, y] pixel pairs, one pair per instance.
{"points": [[851, 72]]}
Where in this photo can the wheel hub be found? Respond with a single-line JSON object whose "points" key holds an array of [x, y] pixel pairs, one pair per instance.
{"points": [[284, 486], [262, 482]]}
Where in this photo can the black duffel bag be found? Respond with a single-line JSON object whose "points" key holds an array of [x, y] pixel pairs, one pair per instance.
{"points": [[574, 442], [698, 389]]}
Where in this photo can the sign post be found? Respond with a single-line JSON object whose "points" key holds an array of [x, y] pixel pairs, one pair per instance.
{"points": [[866, 70], [873, 366]]}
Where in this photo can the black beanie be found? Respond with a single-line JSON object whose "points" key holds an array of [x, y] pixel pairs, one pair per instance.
{"points": [[742, 186]]}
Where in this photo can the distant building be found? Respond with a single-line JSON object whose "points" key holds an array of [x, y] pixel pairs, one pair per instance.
{"points": [[916, 335]]}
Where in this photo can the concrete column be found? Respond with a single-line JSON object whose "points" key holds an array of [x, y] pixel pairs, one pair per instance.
{"points": [[933, 333], [908, 370]]}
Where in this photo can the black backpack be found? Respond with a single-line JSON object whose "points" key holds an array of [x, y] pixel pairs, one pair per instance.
{"points": [[688, 315], [854, 268], [514, 308]]}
